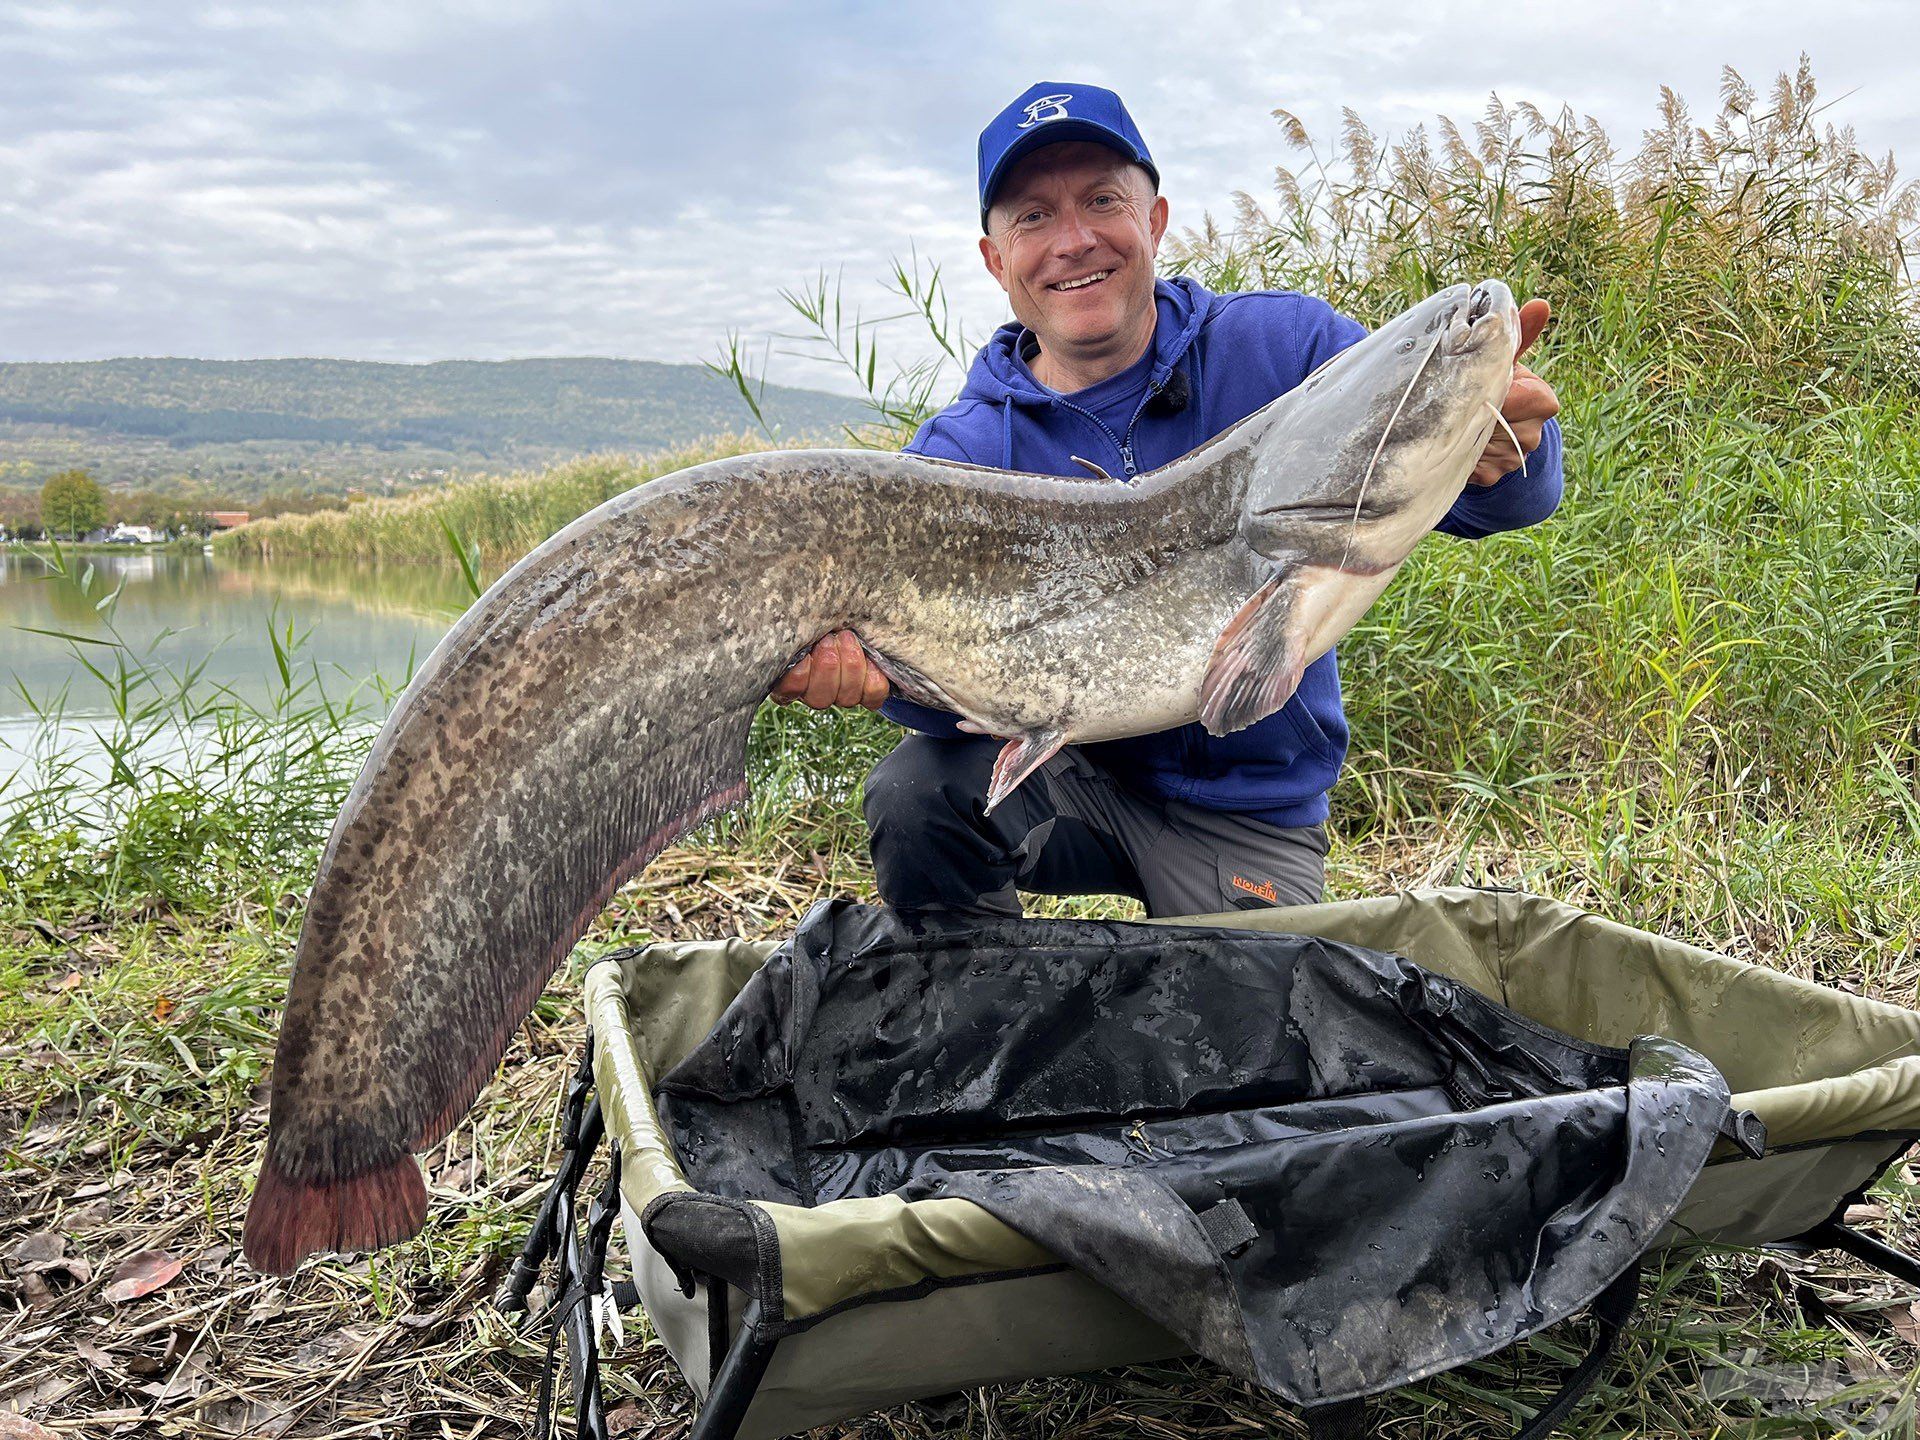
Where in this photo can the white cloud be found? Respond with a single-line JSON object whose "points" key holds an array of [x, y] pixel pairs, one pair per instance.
{"points": [[520, 177]]}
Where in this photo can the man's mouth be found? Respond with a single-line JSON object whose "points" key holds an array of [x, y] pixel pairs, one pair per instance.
{"points": [[1085, 280]]}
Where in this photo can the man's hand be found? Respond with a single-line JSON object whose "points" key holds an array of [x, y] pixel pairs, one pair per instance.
{"points": [[1530, 403], [835, 671]]}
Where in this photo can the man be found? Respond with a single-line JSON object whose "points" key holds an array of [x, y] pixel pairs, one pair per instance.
{"points": [[1103, 365]]}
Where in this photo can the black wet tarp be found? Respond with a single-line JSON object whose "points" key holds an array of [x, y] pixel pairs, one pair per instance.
{"points": [[1323, 1167]]}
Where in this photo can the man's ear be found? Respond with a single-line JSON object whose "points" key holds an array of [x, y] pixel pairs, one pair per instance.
{"points": [[1157, 220], [996, 262]]}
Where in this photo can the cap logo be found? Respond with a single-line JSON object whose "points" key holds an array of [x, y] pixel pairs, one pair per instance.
{"points": [[1047, 107]]}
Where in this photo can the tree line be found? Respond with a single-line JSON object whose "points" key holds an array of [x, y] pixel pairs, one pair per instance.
{"points": [[73, 504]]}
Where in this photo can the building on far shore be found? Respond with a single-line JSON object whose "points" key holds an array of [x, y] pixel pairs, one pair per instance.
{"points": [[227, 519]]}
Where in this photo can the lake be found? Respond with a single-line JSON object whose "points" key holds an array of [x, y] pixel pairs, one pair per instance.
{"points": [[357, 621]]}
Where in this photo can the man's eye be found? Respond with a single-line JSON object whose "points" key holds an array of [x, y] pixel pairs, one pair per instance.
{"points": [[1029, 217]]}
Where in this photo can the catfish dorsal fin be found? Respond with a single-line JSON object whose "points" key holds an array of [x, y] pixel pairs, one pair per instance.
{"points": [[1256, 662], [1021, 756]]}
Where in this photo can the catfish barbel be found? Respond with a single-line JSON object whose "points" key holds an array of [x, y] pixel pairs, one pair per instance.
{"points": [[593, 705]]}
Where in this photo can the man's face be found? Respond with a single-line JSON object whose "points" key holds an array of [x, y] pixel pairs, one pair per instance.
{"points": [[1071, 238]]}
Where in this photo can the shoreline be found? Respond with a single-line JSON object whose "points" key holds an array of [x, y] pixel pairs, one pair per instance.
{"points": [[103, 547]]}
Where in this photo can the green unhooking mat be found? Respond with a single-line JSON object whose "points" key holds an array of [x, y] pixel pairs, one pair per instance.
{"points": [[1334, 1148]]}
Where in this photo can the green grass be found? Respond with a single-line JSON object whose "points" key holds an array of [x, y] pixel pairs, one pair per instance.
{"points": [[1690, 701]]}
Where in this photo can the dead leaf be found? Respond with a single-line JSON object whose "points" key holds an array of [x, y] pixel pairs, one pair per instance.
{"points": [[626, 1419], [142, 1273], [212, 1260], [162, 1007], [1863, 1214], [239, 1416], [85, 1217], [324, 1350], [45, 1135], [19, 1427], [188, 1380], [268, 1307], [39, 1247], [67, 1270], [35, 1290], [1906, 1324], [95, 1356], [457, 1177], [43, 1395], [119, 1180]]}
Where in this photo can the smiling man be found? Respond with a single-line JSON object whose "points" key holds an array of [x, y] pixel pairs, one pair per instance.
{"points": [[1106, 370]]}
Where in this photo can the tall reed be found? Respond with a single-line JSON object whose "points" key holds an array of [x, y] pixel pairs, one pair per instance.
{"points": [[1692, 697], [501, 517]]}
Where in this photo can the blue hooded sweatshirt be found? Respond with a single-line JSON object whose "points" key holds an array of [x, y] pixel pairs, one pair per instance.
{"points": [[1237, 353]]}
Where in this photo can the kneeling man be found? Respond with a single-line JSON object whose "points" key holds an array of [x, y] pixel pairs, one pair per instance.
{"points": [[1105, 368]]}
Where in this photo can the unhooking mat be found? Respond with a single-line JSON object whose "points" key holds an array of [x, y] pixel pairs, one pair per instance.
{"points": [[1321, 1166]]}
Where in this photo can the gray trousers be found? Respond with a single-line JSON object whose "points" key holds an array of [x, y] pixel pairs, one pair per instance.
{"points": [[1070, 829]]}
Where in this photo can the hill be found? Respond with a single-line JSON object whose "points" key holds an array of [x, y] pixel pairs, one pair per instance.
{"points": [[246, 425]]}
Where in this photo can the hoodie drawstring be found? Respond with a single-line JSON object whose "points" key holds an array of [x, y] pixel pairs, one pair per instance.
{"points": [[1198, 433]]}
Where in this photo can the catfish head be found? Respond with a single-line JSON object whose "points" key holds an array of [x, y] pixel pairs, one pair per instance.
{"points": [[1359, 462], [1373, 448]]}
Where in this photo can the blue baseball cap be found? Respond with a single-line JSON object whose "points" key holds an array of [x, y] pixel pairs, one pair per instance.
{"points": [[1051, 113]]}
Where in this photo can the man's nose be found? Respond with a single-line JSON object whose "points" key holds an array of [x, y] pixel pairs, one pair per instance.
{"points": [[1072, 236]]}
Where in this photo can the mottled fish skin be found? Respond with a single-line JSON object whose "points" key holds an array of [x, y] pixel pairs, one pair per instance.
{"points": [[593, 706]]}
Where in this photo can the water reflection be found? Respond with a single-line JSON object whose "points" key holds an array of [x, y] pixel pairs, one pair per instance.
{"points": [[183, 610]]}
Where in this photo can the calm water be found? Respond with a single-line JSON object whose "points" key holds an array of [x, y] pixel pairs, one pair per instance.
{"points": [[182, 609]]}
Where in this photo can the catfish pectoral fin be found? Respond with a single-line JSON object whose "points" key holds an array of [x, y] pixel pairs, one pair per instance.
{"points": [[1022, 755], [907, 681], [1256, 663]]}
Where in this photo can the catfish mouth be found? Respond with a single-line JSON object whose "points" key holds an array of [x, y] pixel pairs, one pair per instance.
{"points": [[1323, 512], [1486, 312]]}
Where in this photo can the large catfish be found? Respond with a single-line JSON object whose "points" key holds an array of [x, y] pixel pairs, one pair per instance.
{"points": [[593, 705]]}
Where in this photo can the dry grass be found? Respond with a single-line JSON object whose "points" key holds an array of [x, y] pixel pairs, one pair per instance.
{"points": [[126, 1134], [143, 1132]]}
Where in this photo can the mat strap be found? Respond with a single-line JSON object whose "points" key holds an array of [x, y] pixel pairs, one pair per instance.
{"points": [[581, 1129], [573, 1316]]}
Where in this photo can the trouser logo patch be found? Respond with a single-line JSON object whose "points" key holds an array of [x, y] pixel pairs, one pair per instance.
{"points": [[1264, 889]]}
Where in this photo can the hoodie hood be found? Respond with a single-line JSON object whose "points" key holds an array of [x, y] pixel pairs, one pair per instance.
{"points": [[1000, 377]]}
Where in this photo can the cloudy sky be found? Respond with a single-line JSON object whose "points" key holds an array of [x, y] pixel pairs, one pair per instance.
{"points": [[422, 179]]}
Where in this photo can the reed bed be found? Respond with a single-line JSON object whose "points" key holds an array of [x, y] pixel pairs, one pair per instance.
{"points": [[1690, 701], [497, 518]]}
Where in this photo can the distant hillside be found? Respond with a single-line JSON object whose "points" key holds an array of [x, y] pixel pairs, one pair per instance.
{"points": [[332, 423]]}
